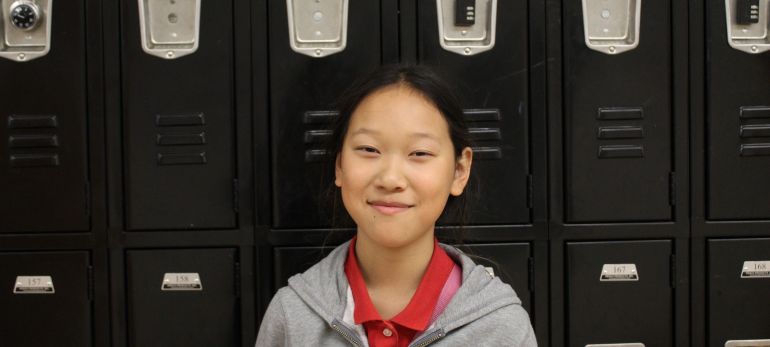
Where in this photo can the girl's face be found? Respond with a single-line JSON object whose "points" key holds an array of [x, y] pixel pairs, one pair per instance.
{"points": [[397, 166]]}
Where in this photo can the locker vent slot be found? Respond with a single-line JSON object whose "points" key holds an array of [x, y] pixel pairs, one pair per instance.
{"points": [[485, 134], [181, 139], [25, 122], [618, 113], [316, 133], [621, 132], [26, 141], [487, 153], [34, 160], [482, 115], [621, 151], [21, 142], [755, 149], [164, 120], [757, 130], [755, 111], [181, 158]]}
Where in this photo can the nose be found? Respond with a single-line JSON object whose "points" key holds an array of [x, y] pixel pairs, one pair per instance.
{"points": [[391, 176]]}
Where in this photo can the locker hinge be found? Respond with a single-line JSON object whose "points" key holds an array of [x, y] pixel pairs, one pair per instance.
{"points": [[673, 271], [235, 195], [90, 283], [530, 191], [531, 270], [237, 280], [88, 198], [672, 188]]}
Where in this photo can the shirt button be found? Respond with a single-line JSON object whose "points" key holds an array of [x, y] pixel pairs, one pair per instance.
{"points": [[387, 332]]}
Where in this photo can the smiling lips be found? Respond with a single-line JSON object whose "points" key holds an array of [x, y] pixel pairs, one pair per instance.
{"points": [[389, 208]]}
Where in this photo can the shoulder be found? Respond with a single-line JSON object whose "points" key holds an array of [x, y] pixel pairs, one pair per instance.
{"points": [[506, 326]]}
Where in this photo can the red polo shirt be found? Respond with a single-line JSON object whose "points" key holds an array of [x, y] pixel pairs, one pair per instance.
{"points": [[415, 317]]}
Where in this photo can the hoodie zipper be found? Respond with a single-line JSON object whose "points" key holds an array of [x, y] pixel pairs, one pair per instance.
{"points": [[347, 336], [429, 339]]}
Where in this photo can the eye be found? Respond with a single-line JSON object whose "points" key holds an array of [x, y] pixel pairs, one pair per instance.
{"points": [[367, 149], [422, 154]]}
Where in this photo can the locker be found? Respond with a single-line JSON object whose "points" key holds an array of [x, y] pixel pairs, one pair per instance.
{"points": [[738, 284], [302, 90], [43, 153], [737, 115], [45, 299], [617, 110], [178, 115], [183, 297], [619, 292], [510, 262], [493, 86]]}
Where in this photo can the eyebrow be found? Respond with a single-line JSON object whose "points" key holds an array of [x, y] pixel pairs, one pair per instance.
{"points": [[375, 132]]}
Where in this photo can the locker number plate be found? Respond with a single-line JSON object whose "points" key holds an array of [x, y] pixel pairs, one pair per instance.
{"points": [[756, 269], [619, 273], [33, 285], [181, 282]]}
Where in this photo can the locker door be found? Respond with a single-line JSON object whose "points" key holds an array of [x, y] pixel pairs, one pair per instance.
{"points": [[43, 156], [293, 260], [45, 299], [178, 115], [186, 297], [619, 292], [510, 262], [302, 89], [617, 110], [738, 287], [737, 117], [493, 86]]}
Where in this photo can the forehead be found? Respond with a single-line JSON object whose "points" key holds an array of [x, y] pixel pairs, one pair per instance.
{"points": [[400, 109]]}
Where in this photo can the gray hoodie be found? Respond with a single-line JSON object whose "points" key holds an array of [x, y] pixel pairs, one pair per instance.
{"points": [[316, 309]]}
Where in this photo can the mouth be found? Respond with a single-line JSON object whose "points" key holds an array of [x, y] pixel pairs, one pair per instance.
{"points": [[389, 207]]}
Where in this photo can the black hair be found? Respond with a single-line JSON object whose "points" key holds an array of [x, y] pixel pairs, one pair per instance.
{"points": [[427, 83]]}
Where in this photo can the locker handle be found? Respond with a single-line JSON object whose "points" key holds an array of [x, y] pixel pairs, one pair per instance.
{"points": [[25, 33], [475, 34], [748, 343], [611, 26], [317, 28], [169, 29], [747, 25]]}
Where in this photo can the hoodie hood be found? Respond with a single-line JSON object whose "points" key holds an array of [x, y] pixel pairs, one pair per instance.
{"points": [[324, 289]]}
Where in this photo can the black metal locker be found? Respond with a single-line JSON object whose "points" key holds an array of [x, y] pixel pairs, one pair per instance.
{"points": [[619, 292], [737, 116], [494, 89], [738, 287], [43, 153], [45, 299], [617, 110], [183, 297], [302, 90], [510, 262], [178, 115]]}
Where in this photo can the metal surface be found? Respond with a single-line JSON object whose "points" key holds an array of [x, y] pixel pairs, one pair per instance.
{"points": [[317, 28], [467, 39], [181, 282], [612, 26], [169, 29], [619, 273], [748, 343], [749, 38], [756, 269], [25, 44]]}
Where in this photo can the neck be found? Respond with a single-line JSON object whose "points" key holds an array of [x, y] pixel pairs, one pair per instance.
{"points": [[388, 269]]}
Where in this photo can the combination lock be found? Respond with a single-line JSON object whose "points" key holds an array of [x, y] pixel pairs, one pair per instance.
{"points": [[25, 14]]}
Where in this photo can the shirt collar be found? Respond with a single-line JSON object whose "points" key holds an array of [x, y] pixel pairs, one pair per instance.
{"points": [[416, 315]]}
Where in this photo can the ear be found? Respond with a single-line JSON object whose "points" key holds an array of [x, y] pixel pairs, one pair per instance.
{"points": [[338, 171], [462, 171]]}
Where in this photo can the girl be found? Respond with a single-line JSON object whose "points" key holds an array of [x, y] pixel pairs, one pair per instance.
{"points": [[400, 150]]}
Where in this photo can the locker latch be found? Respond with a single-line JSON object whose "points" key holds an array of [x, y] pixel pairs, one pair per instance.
{"points": [[748, 343], [169, 28], [467, 27], [612, 26], [317, 28], [34, 285], [747, 25], [26, 30]]}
